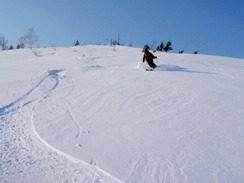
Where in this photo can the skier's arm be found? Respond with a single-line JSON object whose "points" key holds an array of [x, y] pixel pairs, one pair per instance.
{"points": [[154, 56], [144, 57]]}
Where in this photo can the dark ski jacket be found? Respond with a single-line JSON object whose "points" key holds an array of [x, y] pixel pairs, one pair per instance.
{"points": [[149, 58]]}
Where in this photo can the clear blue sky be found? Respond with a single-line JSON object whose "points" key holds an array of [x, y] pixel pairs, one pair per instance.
{"points": [[213, 27]]}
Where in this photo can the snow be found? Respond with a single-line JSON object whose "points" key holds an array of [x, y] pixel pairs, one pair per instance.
{"points": [[89, 114]]}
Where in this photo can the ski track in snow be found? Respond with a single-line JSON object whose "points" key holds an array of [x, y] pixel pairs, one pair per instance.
{"points": [[79, 129], [25, 156]]}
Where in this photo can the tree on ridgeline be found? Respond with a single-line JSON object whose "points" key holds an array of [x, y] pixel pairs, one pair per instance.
{"points": [[160, 47], [3, 42], [21, 43], [77, 43], [166, 47], [30, 37], [11, 47]]}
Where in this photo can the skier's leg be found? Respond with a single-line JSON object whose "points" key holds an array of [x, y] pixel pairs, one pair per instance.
{"points": [[150, 63]]}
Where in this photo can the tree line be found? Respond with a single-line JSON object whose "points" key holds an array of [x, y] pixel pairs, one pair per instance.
{"points": [[30, 38], [165, 47]]}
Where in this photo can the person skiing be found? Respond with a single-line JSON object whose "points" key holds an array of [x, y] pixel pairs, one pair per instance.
{"points": [[148, 56]]}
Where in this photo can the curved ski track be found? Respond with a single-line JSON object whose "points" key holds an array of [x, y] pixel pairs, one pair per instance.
{"points": [[25, 156]]}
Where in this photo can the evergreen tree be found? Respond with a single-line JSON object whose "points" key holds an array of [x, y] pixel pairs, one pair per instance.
{"points": [[77, 43], [160, 47], [168, 46], [11, 47]]}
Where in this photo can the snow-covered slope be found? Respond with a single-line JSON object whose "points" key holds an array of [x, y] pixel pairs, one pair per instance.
{"points": [[88, 114]]}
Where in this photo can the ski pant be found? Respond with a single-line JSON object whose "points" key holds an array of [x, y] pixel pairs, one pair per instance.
{"points": [[151, 64]]}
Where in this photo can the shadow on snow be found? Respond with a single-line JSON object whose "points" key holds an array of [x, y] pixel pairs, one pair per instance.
{"points": [[176, 68]]}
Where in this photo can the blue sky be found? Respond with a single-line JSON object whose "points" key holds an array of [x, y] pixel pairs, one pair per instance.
{"points": [[212, 27]]}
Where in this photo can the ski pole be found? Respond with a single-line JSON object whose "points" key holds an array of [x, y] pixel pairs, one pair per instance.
{"points": [[157, 61], [140, 65]]}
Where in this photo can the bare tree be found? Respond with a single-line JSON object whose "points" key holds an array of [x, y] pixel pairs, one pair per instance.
{"points": [[21, 43], [152, 45], [3, 42], [30, 37]]}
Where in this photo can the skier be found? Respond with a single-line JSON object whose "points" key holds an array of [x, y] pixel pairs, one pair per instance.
{"points": [[149, 57]]}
